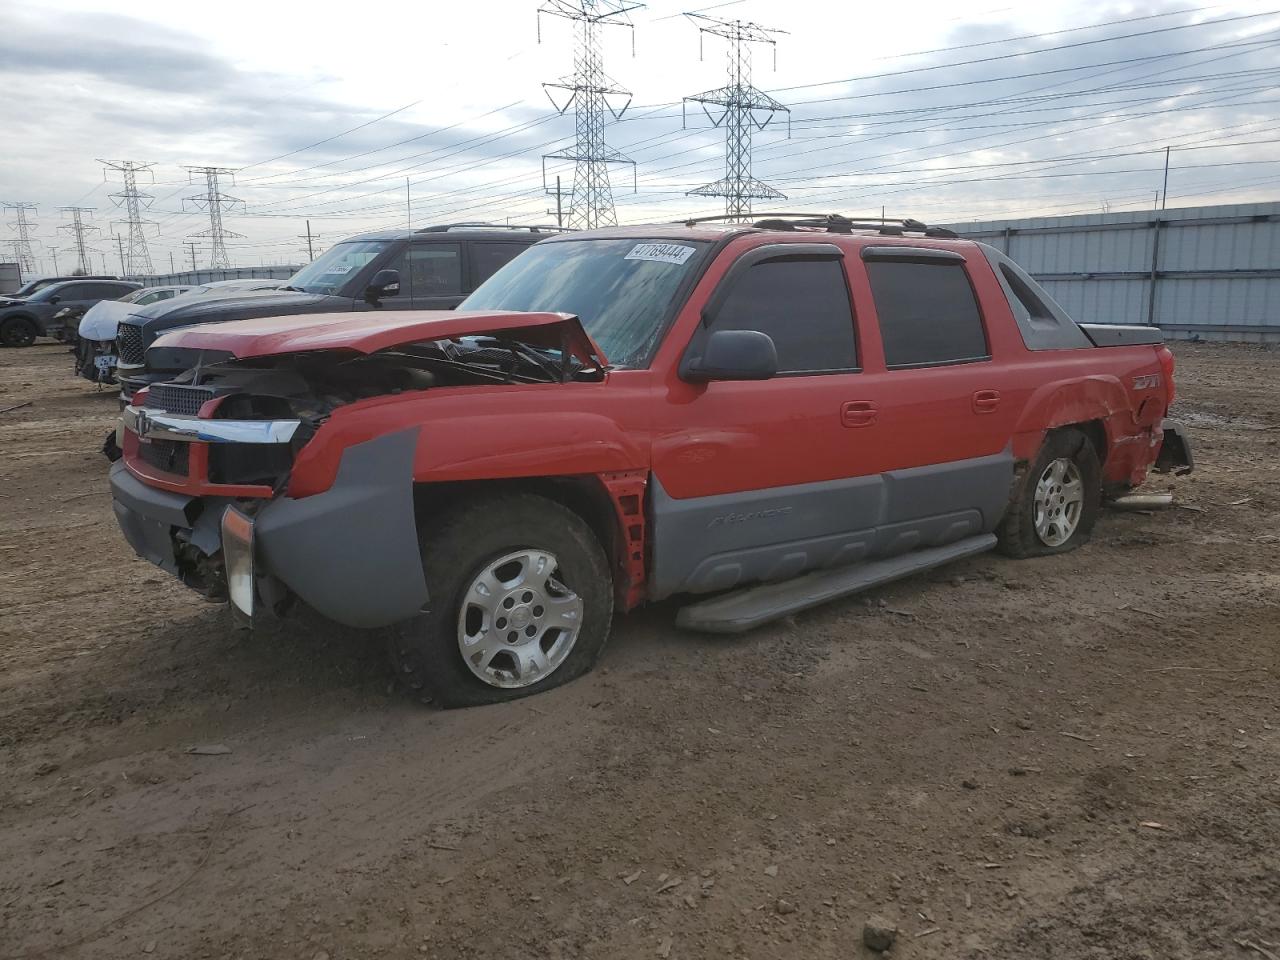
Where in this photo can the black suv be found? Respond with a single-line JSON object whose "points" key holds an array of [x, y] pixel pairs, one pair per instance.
{"points": [[21, 321], [433, 268]]}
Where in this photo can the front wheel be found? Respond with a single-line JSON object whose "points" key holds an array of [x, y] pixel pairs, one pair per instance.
{"points": [[18, 332], [520, 601], [1057, 500]]}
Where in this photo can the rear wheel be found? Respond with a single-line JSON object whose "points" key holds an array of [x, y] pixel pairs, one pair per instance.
{"points": [[1056, 504], [18, 332], [520, 601]]}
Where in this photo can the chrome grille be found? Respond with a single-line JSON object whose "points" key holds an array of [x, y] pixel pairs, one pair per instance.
{"points": [[178, 398], [129, 343]]}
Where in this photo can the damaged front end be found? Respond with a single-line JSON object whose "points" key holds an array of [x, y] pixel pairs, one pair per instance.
{"points": [[206, 490]]}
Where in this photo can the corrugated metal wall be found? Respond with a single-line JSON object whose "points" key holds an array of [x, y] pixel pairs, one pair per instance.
{"points": [[1215, 271]]}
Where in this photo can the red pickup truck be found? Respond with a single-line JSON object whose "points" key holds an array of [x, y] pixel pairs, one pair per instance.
{"points": [[772, 415]]}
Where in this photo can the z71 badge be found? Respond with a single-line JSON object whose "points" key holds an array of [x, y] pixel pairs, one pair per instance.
{"points": [[1148, 382]]}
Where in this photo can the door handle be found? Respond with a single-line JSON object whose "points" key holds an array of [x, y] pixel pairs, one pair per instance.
{"points": [[858, 413], [986, 401]]}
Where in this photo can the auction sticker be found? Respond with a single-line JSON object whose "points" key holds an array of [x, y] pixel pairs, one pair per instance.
{"points": [[661, 252]]}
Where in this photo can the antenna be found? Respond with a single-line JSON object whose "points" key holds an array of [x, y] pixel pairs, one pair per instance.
{"points": [[22, 242], [138, 260], [742, 104], [213, 200], [589, 90], [80, 232]]}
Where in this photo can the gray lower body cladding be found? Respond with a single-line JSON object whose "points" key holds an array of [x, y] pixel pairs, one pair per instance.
{"points": [[351, 552], [706, 544]]}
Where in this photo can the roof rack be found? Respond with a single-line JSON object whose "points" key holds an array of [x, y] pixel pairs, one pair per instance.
{"points": [[829, 223], [447, 227]]}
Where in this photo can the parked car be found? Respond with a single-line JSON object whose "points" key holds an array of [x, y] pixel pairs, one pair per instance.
{"points": [[31, 286], [429, 269], [21, 322], [95, 329], [815, 406]]}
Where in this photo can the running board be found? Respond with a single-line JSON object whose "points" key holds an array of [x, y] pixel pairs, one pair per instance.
{"points": [[753, 606]]}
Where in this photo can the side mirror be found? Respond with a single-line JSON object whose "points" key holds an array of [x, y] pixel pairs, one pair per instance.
{"points": [[385, 283], [733, 355], [55, 299]]}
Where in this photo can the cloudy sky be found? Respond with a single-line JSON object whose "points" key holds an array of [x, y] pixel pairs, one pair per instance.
{"points": [[325, 110]]}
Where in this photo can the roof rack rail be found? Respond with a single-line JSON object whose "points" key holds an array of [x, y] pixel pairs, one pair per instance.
{"points": [[478, 225], [830, 223]]}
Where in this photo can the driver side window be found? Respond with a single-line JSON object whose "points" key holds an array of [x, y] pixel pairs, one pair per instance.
{"points": [[803, 305]]}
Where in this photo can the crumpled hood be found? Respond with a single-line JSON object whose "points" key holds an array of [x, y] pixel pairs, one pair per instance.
{"points": [[102, 319], [369, 332]]}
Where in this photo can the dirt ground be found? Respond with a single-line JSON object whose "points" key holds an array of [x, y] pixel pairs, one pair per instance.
{"points": [[1071, 757]]}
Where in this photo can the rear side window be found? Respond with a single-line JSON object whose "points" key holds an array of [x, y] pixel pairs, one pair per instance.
{"points": [[434, 269], [487, 258], [803, 305], [928, 313]]}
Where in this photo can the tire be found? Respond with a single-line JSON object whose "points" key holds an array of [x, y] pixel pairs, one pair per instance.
{"points": [[18, 332], [1044, 518], [110, 449], [508, 538]]}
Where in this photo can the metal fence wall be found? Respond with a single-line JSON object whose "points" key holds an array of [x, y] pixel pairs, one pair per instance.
{"points": [[194, 277], [1201, 272]]}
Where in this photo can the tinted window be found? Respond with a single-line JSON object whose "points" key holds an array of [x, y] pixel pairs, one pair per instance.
{"points": [[928, 313], [487, 258], [432, 270], [803, 305]]}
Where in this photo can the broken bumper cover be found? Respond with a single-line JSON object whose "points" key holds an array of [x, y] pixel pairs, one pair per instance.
{"points": [[351, 553], [1175, 450]]}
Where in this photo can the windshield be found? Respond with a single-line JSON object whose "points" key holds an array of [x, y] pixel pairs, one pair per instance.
{"points": [[333, 268], [621, 290]]}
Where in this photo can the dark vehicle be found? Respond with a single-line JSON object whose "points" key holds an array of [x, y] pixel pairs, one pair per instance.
{"points": [[429, 269], [33, 286], [24, 320]]}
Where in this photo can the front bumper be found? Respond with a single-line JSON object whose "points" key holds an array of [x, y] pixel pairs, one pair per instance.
{"points": [[351, 552]]}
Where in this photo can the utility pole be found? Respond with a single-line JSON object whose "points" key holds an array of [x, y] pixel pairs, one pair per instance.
{"points": [[1164, 192], [408, 207], [745, 110], [311, 254], [80, 231], [191, 245], [559, 210], [53, 252], [172, 268], [589, 90], [120, 246], [212, 201], [22, 243], [139, 262]]}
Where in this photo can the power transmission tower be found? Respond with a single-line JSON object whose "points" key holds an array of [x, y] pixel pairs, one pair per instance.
{"points": [[212, 201], [139, 258], [589, 91], [743, 106], [22, 243], [80, 231]]}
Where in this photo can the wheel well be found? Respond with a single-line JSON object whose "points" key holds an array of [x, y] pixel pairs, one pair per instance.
{"points": [[584, 495], [1097, 435]]}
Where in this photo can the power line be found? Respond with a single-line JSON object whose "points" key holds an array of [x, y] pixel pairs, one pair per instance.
{"points": [[742, 103], [212, 201], [589, 90], [22, 242], [138, 262], [80, 231]]}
